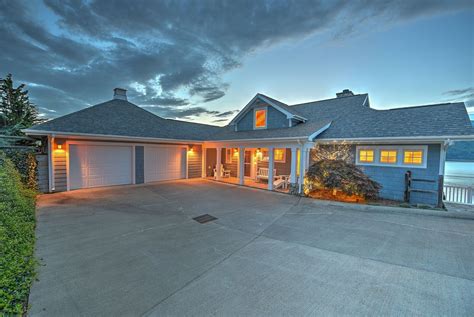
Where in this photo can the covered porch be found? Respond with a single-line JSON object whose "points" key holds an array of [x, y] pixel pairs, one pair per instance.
{"points": [[278, 167]]}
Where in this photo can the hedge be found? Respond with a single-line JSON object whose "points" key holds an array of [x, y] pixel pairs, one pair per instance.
{"points": [[17, 240], [25, 163]]}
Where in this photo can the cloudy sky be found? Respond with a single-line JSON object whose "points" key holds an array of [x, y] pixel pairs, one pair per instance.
{"points": [[203, 60]]}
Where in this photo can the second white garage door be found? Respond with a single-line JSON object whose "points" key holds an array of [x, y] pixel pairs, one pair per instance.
{"points": [[164, 163]]}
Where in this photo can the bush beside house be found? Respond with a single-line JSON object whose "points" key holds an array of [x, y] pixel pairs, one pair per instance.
{"points": [[338, 175], [17, 239]]}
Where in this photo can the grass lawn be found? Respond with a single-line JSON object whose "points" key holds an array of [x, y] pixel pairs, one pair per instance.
{"points": [[17, 240]]}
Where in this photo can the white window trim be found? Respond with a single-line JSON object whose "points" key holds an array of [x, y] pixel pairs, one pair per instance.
{"points": [[255, 117], [400, 155], [228, 155], [284, 155], [265, 158], [397, 156], [366, 148]]}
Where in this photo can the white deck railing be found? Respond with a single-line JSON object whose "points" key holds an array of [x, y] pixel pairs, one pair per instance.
{"points": [[459, 194]]}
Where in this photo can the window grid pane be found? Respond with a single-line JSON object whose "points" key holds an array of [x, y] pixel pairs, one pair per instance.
{"points": [[413, 157], [260, 118], [366, 156], [279, 155], [388, 156]]}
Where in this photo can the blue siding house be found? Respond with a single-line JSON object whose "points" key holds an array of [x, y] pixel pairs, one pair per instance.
{"points": [[267, 144]]}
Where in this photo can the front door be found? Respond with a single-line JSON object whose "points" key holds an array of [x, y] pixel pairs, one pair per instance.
{"points": [[248, 163]]}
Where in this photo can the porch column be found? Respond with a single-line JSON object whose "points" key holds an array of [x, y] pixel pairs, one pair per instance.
{"points": [[303, 153], [270, 168], [218, 162], [241, 169], [294, 158]]}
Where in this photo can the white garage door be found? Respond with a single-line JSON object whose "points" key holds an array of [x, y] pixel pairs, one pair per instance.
{"points": [[164, 163], [99, 165]]}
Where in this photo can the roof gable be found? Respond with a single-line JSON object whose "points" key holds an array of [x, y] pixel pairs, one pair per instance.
{"points": [[278, 105]]}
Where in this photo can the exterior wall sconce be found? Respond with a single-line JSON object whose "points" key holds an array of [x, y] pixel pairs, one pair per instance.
{"points": [[59, 145], [191, 148]]}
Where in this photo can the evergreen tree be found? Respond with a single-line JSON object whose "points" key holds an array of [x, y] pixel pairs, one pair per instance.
{"points": [[16, 110]]}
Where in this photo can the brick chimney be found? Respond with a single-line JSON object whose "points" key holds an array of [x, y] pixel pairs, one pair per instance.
{"points": [[120, 93], [345, 93]]}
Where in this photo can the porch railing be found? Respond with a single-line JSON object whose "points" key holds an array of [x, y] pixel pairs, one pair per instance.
{"points": [[458, 194]]}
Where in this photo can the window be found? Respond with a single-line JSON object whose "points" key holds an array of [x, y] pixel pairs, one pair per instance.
{"points": [[228, 156], [413, 157], [388, 156], [279, 155], [260, 118], [366, 156]]}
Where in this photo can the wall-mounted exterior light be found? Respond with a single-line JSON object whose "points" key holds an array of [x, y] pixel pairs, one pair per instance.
{"points": [[59, 144]]}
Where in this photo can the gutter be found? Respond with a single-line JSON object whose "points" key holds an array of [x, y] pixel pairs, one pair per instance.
{"points": [[260, 140], [58, 134], [402, 139]]}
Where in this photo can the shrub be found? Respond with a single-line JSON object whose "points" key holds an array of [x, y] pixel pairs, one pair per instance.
{"points": [[17, 239], [343, 176], [25, 163]]}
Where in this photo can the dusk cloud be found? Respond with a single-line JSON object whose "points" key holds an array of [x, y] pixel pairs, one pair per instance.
{"points": [[171, 56], [465, 94]]}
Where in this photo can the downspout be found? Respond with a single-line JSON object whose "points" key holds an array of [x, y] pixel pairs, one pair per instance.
{"points": [[442, 164]]}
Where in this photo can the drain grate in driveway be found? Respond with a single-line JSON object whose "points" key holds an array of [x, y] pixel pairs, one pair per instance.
{"points": [[204, 218]]}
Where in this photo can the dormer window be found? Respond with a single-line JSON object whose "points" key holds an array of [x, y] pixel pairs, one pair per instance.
{"points": [[260, 121]]}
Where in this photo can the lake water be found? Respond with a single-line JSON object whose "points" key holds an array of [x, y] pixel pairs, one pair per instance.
{"points": [[459, 173]]}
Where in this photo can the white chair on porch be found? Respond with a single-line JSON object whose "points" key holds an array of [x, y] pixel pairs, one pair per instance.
{"points": [[262, 173], [279, 181], [224, 173]]}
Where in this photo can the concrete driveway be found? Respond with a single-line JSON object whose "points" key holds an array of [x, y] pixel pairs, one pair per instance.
{"points": [[136, 251]]}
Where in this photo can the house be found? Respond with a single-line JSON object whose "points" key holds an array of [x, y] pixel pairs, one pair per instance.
{"points": [[117, 142]]}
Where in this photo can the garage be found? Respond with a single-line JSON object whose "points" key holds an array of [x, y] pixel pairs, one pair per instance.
{"points": [[164, 163], [99, 165]]}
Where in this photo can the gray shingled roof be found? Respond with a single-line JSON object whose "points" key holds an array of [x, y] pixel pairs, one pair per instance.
{"points": [[350, 117], [122, 118]]}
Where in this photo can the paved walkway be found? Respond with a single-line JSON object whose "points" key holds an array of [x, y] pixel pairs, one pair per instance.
{"points": [[131, 251]]}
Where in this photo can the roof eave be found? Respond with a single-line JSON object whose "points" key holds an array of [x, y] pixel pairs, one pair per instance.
{"points": [[90, 136], [430, 139]]}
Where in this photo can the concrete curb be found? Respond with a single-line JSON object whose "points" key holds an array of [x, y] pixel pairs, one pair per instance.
{"points": [[393, 209]]}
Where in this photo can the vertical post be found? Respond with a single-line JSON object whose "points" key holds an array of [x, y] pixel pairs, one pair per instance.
{"points": [[303, 153], [406, 197], [442, 160], [271, 164], [294, 158], [218, 162], [241, 165], [50, 165], [203, 161]]}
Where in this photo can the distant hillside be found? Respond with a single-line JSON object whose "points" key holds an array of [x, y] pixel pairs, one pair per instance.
{"points": [[461, 151]]}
